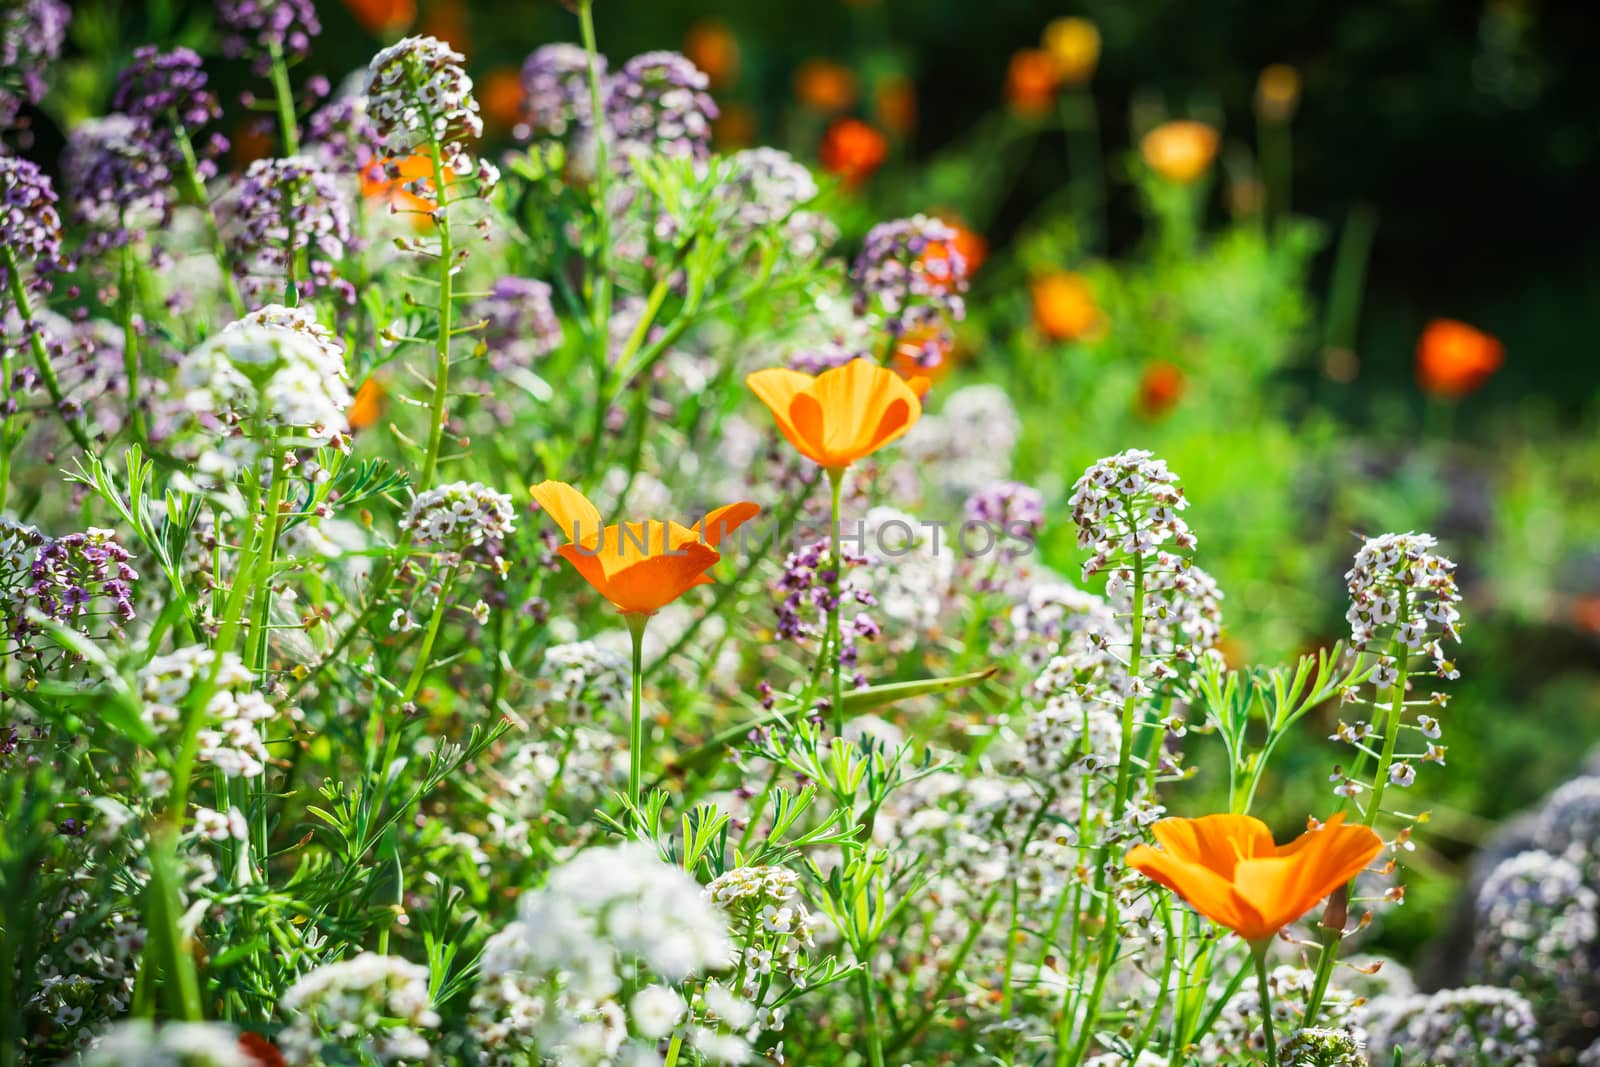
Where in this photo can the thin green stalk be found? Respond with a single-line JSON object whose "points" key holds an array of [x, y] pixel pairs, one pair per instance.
{"points": [[285, 99], [261, 576], [41, 355], [869, 1009], [197, 191], [130, 343], [836, 481], [441, 360], [1130, 704], [1087, 180], [601, 285], [636, 623], [1259, 951]]}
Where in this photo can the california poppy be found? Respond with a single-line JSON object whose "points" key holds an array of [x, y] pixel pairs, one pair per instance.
{"points": [[367, 407], [500, 95], [926, 352], [1454, 359], [1160, 388], [974, 248], [711, 46], [383, 17], [852, 150], [1229, 870], [825, 86], [1031, 82], [1074, 46], [843, 414], [640, 567], [1181, 150], [387, 180], [1064, 307]]}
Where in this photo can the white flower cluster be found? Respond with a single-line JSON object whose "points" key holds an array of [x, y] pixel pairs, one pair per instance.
{"points": [[382, 1002], [220, 825], [1238, 1027], [1569, 826], [967, 444], [1182, 616], [418, 95], [1400, 589], [1126, 508], [764, 902], [276, 364], [1319, 1046], [140, 1043], [1061, 628], [460, 514], [230, 738], [1455, 1028], [1537, 931], [553, 980], [582, 681], [910, 573]]}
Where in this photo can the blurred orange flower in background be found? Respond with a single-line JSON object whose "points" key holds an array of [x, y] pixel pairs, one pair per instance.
{"points": [[1064, 307], [447, 20], [1180, 150], [843, 414], [826, 86], [735, 126], [914, 346], [852, 150], [500, 96], [367, 407], [1031, 82], [640, 567], [894, 102], [1454, 359], [1160, 388], [387, 180], [711, 46], [383, 18], [1074, 46], [1229, 869], [974, 247]]}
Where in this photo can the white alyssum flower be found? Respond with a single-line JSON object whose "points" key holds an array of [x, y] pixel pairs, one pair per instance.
{"points": [[381, 1000], [138, 1043], [230, 738], [459, 514], [276, 365]]}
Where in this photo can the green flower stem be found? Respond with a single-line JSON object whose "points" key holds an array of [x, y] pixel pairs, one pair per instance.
{"points": [[197, 192], [130, 343], [1130, 704], [1258, 949], [41, 355], [441, 361], [869, 1011], [636, 624], [285, 99], [836, 482]]}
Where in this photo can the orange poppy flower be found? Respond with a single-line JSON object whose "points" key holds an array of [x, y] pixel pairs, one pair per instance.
{"points": [[1229, 870], [1278, 92], [973, 247], [1160, 388], [383, 17], [367, 407], [376, 183], [894, 101], [853, 151], [1181, 150], [1454, 359], [735, 127], [1074, 47], [1064, 307], [825, 86], [640, 567], [711, 46], [843, 414], [500, 95], [913, 347], [1031, 82]]}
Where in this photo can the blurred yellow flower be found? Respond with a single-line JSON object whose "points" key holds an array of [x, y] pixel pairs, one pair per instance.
{"points": [[1278, 92], [1074, 46], [1180, 150]]}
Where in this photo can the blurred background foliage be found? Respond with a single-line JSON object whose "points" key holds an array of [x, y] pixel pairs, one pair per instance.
{"points": [[1257, 323]]}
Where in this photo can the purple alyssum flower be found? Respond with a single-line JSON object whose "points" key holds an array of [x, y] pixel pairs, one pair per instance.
{"points": [[31, 35], [30, 226], [259, 28], [658, 102], [910, 273], [117, 181], [556, 101], [520, 323], [169, 90], [286, 208]]}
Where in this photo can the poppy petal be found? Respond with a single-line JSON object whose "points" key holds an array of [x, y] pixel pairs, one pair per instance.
{"points": [[571, 510]]}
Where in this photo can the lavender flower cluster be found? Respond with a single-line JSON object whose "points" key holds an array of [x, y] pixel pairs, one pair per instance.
{"points": [[77, 581], [31, 35], [289, 214], [30, 226], [262, 29], [118, 184], [911, 273], [520, 322], [1455, 1028], [658, 102]]}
